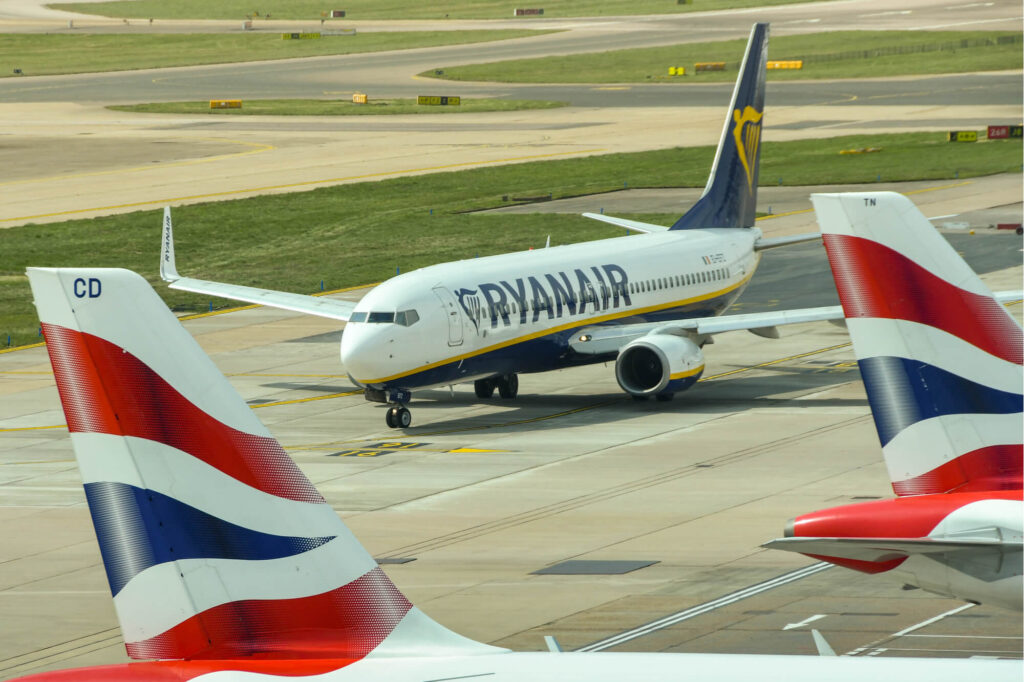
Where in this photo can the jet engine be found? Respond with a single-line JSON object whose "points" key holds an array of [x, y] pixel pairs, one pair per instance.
{"points": [[658, 365]]}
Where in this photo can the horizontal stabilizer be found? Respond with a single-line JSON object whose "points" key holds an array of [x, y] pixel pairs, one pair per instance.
{"points": [[775, 242], [886, 549], [632, 225]]}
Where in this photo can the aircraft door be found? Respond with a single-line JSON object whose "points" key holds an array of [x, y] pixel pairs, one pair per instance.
{"points": [[454, 316]]}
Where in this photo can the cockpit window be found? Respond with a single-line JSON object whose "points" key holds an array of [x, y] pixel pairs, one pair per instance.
{"points": [[407, 318], [357, 317], [380, 318]]}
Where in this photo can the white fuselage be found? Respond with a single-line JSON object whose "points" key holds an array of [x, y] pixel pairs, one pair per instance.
{"points": [[654, 667], [515, 312]]}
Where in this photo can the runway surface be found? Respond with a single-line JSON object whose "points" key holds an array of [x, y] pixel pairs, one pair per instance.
{"points": [[482, 494]]}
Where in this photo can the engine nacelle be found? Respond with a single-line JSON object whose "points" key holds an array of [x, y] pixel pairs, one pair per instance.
{"points": [[658, 364]]}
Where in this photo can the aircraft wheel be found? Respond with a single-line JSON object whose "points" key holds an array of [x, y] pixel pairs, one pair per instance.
{"points": [[508, 386], [389, 417], [665, 397], [484, 388], [403, 417]]}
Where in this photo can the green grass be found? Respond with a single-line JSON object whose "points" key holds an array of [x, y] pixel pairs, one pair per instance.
{"points": [[394, 9], [844, 54], [354, 234], [38, 55], [333, 107]]}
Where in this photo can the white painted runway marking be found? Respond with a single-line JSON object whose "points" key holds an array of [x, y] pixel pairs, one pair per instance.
{"points": [[706, 607], [805, 621], [905, 631], [936, 27], [889, 13], [970, 636]]}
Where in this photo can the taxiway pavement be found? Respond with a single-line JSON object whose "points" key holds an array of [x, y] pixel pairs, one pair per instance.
{"points": [[481, 494], [484, 493]]}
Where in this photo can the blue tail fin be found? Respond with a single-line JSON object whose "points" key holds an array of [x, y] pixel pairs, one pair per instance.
{"points": [[730, 197]]}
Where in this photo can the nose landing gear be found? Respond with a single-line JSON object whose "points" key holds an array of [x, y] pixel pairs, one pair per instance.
{"points": [[398, 415]]}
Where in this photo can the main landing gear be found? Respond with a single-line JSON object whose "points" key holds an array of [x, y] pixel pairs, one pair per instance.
{"points": [[507, 385]]}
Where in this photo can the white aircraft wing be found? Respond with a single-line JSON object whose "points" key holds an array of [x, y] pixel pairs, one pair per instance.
{"points": [[312, 305], [601, 340], [886, 549], [301, 303]]}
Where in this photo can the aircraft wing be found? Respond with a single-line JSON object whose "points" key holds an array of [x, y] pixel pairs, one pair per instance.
{"points": [[601, 339], [887, 549], [312, 305]]}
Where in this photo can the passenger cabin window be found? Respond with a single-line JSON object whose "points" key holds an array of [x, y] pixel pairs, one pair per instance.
{"points": [[357, 317]]}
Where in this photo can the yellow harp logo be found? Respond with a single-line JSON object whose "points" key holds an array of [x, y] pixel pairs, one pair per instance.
{"points": [[747, 137]]}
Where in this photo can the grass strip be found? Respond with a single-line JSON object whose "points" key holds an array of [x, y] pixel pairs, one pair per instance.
{"points": [[353, 234], [333, 107], [394, 9], [48, 54], [842, 54]]}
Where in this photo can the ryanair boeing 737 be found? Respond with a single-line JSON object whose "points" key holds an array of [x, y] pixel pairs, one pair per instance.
{"points": [[649, 303]]}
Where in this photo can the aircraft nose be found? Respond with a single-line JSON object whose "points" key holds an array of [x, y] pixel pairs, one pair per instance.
{"points": [[364, 353]]}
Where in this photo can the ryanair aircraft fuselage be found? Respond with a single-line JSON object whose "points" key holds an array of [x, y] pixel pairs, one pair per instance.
{"points": [[517, 312], [643, 301]]}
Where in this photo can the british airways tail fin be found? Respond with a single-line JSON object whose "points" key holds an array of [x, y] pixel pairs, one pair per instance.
{"points": [[941, 359], [216, 546], [730, 197]]}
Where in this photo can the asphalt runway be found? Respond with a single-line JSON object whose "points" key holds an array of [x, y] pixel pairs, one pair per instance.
{"points": [[482, 494], [393, 74]]}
